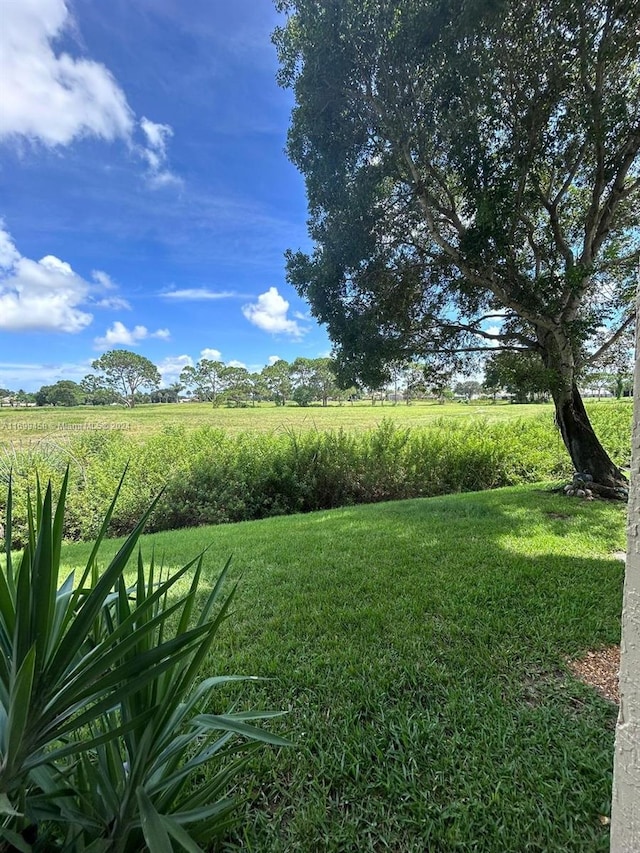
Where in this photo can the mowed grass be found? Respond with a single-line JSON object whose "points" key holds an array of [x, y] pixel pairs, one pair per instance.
{"points": [[22, 425], [420, 650]]}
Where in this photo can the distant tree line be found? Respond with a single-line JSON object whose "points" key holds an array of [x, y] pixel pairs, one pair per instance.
{"points": [[127, 378]]}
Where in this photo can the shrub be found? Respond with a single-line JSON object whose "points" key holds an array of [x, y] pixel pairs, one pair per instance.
{"points": [[250, 477], [101, 728]]}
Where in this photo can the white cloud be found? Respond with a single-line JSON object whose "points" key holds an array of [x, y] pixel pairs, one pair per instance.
{"points": [[157, 135], [119, 334], [198, 294], [44, 295], [155, 153], [235, 363], [53, 97], [273, 358], [269, 313], [103, 279], [211, 354], [9, 255], [114, 303], [172, 366]]}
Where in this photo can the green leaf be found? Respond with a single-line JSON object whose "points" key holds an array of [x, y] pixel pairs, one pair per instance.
{"points": [[6, 807], [153, 829], [8, 536], [189, 602], [181, 835], [7, 608], [15, 840], [111, 691], [88, 742], [44, 576], [215, 593], [100, 845], [231, 723], [162, 780], [91, 562], [213, 790], [58, 522], [95, 601], [83, 618], [214, 625], [204, 813], [22, 639], [108, 668], [62, 601], [19, 710]]}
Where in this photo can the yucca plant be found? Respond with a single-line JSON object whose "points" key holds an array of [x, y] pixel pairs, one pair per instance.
{"points": [[101, 724]]}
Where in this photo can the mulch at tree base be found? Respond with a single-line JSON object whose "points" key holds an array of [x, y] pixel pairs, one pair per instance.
{"points": [[599, 669]]}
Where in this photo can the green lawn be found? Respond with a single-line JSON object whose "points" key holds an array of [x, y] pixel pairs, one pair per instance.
{"points": [[420, 648], [21, 425]]}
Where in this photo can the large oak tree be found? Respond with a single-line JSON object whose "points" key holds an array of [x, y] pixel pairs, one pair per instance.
{"points": [[472, 177]]}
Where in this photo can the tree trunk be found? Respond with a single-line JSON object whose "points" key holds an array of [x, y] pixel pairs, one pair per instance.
{"points": [[585, 450]]}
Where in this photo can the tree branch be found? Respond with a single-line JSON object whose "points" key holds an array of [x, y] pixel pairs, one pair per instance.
{"points": [[488, 281], [616, 336], [444, 351], [633, 258], [552, 209], [491, 336], [619, 191]]}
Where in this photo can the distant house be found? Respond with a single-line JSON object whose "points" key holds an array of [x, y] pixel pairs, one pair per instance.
{"points": [[8, 401]]}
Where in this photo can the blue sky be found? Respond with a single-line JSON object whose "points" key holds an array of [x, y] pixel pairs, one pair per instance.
{"points": [[145, 197]]}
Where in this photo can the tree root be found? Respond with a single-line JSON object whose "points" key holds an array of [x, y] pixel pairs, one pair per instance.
{"points": [[617, 493], [610, 493]]}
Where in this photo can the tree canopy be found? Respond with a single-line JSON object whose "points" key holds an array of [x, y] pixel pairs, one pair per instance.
{"points": [[472, 176], [313, 379], [62, 393], [126, 372], [206, 378], [277, 379], [520, 374]]}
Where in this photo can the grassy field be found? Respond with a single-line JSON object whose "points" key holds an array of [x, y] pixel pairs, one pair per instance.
{"points": [[420, 648], [19, 426]]}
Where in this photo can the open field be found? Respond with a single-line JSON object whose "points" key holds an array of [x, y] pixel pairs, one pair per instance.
{"points": [[18, 426], [421, 647]]}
